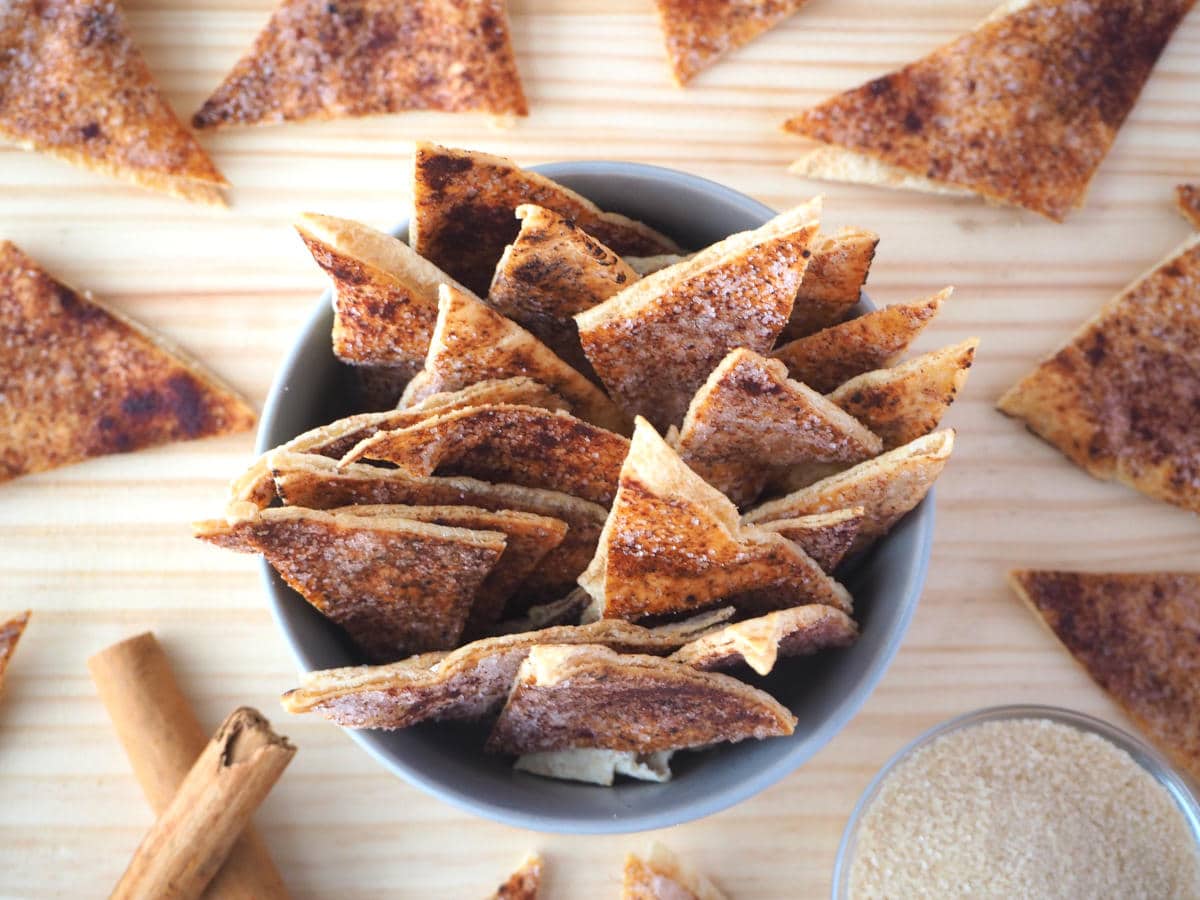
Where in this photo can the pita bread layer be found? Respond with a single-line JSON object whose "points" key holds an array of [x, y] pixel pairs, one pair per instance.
{"points": [[74, 85], [319, 60], [833, 281], [1138, 637], [397, 586], [566, 697], [1187, 199], [826, 537], [597, 766], [464, 207], [875, 340], [10, 636], [524, 883], [662, 876], [80, 380], [1021, 110], [1122, 398]]}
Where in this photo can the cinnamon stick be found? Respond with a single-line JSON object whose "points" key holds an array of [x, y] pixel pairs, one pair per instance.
{"points": [[191, 839], [162, 738]]}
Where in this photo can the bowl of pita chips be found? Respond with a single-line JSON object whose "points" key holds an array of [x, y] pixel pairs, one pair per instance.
{"points": [[594, 498]]}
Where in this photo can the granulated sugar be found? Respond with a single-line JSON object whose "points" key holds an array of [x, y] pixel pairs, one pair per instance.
{"points": [[1023, 808]]}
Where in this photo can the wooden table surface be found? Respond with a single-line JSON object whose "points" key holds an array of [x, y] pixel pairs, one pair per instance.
{"points": [[103, 550]]}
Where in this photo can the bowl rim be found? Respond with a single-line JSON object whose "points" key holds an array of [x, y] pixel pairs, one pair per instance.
{"points": [[1142, 753], [707, 803]]}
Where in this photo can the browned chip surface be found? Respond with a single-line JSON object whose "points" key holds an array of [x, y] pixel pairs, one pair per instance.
{"points": [[1122, 398], [79, 380], [1021, 110], [873, 341], [656, 342], [908, 401], [395, 585], [1187, 199], [524, 883], [699, 32], [321, 60], [10, 635], [759, 642], [553, 270], [1138, 636], [75, 86], [826, 537], [832, 282], [464, 213], [588, 696]]}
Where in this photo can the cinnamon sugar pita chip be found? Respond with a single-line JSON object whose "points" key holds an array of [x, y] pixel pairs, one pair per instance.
{"points": [[321, 60], [662, 876], [826, 537], [524, 883], [397, 586], [1021, 110], [10, 635], [73, 85], [833, 281], [464, 206], [1187, 199], [80, 380]]}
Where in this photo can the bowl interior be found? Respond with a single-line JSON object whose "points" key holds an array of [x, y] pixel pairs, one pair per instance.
{"points": [[824, 691]]}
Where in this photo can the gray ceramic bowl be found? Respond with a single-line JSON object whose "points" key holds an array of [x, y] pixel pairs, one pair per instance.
{"points": [[446, 760]]}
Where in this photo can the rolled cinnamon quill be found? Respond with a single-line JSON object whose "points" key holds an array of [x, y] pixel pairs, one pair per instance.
{"points": [[191, 839], [162, 738]]}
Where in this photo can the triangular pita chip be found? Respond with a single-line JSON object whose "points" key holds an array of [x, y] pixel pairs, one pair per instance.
{"points": [[886, 487], [566, 610], [464, 208], [673, 544], [1021, 110], [315, 482], [80, 380], [1121, 398], [872, 341], [648, 265], [564, 697], [338, 438], [518, 444], [469, 683], [384, 295], [908, 401], [472, 342], [654, 343], [698, 34], [10, 635], [321, 60], [759, 642], [397, 586], [1187, 199], [749, 418], [74, 85], [833, 281], [524, 883], [528, 539], [553, 270], [1138, 637], [826, 537], [592, 766], [661, 876]]}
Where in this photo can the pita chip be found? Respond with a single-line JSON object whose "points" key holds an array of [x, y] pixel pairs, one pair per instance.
{"points": [[826, 537], [662, 876], [319, 60], [673, 544], [397, 586], [384, 295], [553, 270], [886, 487], [1187, 200], [1021, 110], [566, 610], [592, 766], [518, 444], [699, 32], [759, 642], [565, 697], [1121, 398], [10, 635], [80, 380], [524, 883], [469, 683], [908, 401], [464, 208], [472, 342], [875, 340], [748, 418], [833, 281], [1138, 637], [648, 265], [73, 85], [655, 342]]}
